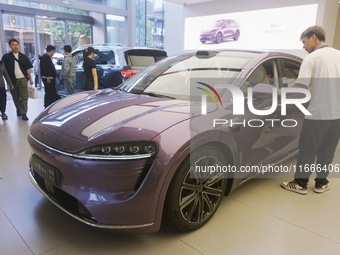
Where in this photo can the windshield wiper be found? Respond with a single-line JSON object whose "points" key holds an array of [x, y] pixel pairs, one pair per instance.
{"points": [[153, 94]]}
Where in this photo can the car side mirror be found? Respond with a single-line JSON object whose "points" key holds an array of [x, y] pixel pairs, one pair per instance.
{"points": [[263, 91]]}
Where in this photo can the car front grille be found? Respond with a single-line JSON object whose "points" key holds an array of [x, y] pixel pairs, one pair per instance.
{"points": [[65, 200]]}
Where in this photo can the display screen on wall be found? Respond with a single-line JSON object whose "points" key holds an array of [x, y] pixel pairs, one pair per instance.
{"points": [[278, 28]]}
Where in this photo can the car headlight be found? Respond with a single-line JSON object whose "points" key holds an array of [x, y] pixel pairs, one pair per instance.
{"points": [[120, 151]]}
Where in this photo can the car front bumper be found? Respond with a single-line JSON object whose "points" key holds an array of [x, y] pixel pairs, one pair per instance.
{"points": [[207, 37], [113, 195]]}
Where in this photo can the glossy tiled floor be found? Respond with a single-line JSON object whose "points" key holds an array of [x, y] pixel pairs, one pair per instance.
{"points": [[258, 218]]}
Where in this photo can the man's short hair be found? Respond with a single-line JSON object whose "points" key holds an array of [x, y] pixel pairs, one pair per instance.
{"points": [[13, 40], [49, 48], [318, 31], [68, 48]]}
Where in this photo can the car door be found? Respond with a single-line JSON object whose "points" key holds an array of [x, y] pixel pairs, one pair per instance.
{"points": [[257, 136], [278, 138], [263, 140], [227, 29], [288, 72]]}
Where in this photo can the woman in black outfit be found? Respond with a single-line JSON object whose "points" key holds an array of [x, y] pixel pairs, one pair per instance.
{"points": [[90, 70]]}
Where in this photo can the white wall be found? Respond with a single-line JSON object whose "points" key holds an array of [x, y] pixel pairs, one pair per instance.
{"points": [[176, 14], [174, 28]]}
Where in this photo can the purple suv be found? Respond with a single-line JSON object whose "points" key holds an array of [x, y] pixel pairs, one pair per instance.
{"points": [[221, 30], [127, 158]]}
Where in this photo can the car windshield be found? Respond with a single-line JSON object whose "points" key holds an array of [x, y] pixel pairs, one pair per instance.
{"points": [[171, 77], [101, 57]]}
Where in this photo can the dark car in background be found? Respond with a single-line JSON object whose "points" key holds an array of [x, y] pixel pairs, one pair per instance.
{"points": [[221, 30], [115, 63], [125, 158]]}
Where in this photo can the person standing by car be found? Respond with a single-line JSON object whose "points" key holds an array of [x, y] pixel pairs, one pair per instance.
{"points": [[68, 70], [48, 75], [320, 73], [3, 95], [18, 67], [36, 71], [90, 70]]}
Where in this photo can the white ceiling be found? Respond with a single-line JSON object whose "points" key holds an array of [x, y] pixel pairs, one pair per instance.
{"points": [[189, 2]]}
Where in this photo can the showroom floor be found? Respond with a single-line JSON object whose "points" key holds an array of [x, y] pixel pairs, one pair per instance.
{"points": [[258, 218]]}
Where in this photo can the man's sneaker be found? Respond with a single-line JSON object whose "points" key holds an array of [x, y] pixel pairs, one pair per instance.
{"points": [[18, 113], [4, 116], [293, 186], [321, 189], [24, 117]]}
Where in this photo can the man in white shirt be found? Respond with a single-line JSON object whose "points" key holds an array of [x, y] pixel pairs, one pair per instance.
{"points": [[18, 67], [320, 73]]}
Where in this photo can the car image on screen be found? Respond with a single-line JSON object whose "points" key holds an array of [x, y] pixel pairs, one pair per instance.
{"points": [[221, 30], [124, 158]]}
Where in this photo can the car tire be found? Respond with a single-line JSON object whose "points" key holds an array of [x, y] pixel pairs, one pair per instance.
{"points": [[219, 38], [236, 35], [193, 198]]}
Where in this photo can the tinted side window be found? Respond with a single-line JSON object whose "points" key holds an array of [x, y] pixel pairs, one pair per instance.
{"points": [[104, 57], [265, 73], [291, 72]]}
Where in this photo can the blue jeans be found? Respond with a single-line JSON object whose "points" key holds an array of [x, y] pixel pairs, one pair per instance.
{"points": [[69, 88]]}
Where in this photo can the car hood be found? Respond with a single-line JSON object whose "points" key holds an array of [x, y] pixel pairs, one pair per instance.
{"points": [[92, 118]]}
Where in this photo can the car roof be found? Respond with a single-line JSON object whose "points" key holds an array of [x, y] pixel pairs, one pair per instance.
{"points": [[225, 19], [254, 53]]}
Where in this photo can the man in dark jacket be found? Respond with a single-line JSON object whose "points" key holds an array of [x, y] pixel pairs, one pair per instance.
{"points": [[18, 67], [48, 75]]}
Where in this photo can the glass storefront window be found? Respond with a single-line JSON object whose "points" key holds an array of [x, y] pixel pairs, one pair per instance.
{"points": [[21, 28], [150, 23], [78, 34], [119, 4], [53, 32], [115, 29], [43, 6]]}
